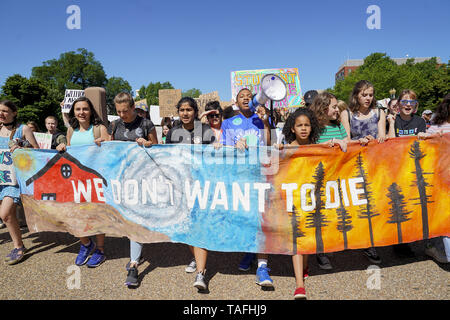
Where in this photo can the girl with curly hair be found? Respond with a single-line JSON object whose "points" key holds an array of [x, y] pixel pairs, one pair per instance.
{"points": [[331, 131]]}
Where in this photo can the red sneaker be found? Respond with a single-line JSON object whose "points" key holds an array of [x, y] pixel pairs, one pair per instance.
{"points": [[300, 293]]}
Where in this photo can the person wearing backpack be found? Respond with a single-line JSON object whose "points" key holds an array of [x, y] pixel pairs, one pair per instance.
{"points": [[86, 127]]}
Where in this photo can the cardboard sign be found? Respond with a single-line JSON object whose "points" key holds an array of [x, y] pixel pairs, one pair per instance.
{"points": [[168, 99], [44, 140], [69, 97], [203, 99], [251, 79]]}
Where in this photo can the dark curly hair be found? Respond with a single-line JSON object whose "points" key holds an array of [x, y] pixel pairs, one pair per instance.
{"points": [[442, 112], [320, 107], [290, 122]]}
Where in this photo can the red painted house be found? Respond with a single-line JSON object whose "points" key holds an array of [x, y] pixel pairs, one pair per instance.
{"points": [[65, 179]]}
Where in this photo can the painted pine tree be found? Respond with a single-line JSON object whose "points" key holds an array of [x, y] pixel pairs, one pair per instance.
{"points": [[296, 231], [398, 209], [416, 153], [316, 219], [367, 212], [344, 223]]}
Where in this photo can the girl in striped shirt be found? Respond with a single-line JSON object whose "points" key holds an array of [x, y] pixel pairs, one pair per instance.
{"points": [[325, 107]]}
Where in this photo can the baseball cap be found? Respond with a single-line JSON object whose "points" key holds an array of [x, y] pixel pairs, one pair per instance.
{"points": [[309, 96], [141, 106], [427, 112]]}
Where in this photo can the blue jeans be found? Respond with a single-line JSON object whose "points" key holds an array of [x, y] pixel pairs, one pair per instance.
{"points": [[135, 251]]}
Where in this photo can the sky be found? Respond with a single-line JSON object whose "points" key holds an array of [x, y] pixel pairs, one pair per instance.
{"points": [[197, 44]]}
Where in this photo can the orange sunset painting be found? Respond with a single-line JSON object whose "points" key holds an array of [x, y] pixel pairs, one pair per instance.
{"points": [[382, 194]]}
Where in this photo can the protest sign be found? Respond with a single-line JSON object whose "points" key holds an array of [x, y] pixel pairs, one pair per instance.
{"points": [[316, 200], [168, 99], [69, 97], [44, 140], [7, 173], [251, 79], [203, 99]]}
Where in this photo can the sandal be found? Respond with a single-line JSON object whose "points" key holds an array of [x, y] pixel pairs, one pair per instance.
{"points": [[15, 256]]}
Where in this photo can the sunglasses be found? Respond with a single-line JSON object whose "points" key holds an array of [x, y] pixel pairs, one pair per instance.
{"points": [[412, 103], [215, 115]]}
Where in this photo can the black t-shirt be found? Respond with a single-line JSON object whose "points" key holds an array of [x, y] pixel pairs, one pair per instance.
{"points": [[138, 128], [180, 135], [409, 128]]}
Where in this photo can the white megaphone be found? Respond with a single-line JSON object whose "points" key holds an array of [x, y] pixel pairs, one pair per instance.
{"points": [[272, 88]]}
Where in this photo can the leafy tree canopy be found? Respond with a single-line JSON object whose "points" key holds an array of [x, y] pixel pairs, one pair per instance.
{"points": [[151, 92], [193, 93], [428, 79], [73, 70]]}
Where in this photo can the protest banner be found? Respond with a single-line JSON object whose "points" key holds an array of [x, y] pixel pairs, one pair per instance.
{"points": [[168, 99], [44, 140], [318, 199], [7, 173], [251, 79], [69, 97]]}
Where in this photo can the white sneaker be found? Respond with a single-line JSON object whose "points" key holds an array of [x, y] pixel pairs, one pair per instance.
{"points": [[200, 281], [191, 267], [433, 252]]}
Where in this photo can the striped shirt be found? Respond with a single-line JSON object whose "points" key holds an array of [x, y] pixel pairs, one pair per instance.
{"points": [[332, 131], [445, 127]]}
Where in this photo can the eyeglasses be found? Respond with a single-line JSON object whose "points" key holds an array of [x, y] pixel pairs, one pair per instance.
{"points": [[413, 103], [215, 115]]}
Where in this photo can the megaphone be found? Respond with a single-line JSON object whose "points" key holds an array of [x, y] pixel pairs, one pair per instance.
{"points": [[272, 88]]}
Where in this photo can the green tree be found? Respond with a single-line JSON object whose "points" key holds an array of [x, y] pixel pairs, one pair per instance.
{"points": [[114, 86], [428, 79], [151, 92], [33, 98], [73, 70], [193, 93]]}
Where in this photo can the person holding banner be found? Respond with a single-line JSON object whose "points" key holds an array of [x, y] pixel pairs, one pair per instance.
{"points": [[326, 109], [301, 128], [241, 131], [191, 131], [214, 113], [364, 121], [12, 136], [134, 128], [86, 127]]}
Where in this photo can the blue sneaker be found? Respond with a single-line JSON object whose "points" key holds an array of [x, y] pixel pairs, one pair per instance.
{"points": [[97, 259], [84, 253], [247, 261], [262, 276]]}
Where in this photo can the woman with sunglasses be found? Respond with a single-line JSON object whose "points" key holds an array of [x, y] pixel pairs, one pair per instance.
{"points": [[214, 112], [407, 123]]}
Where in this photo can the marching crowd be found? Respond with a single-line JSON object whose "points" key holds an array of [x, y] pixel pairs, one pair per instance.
{"points": [[323, 120]]}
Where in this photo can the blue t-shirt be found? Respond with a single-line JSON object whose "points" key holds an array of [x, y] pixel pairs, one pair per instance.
{"points": [[80, 138], [239, 126]]}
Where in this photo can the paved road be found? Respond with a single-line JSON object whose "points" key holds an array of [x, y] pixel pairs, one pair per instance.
{"points": [[44, 274]]}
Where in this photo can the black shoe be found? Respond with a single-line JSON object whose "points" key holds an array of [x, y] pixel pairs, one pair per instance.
{"points": [[403, 250], [372, 255], [132, 278], [323, 262]]}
